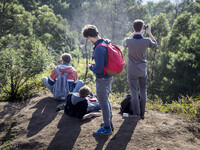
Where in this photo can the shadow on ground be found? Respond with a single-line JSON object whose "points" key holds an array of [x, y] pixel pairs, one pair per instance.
{"points": [[45, 113], [69, 130], [121, 139]]}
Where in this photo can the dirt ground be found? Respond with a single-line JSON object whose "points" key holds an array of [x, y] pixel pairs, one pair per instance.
{"points": [[35, 125]]}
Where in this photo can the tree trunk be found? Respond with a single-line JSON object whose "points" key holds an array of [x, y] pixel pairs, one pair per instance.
{"points": [[86, 58]]}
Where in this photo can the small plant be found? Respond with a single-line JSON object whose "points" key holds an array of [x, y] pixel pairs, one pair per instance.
{"points": [[188, 107], [9, 136]]}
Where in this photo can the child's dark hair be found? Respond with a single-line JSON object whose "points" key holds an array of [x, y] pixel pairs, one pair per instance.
{"points": [[90, 31], [84, 91], [138, 24], [66, 57]]}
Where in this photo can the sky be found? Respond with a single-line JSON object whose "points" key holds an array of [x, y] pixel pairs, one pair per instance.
{"points": [[155, 1]]}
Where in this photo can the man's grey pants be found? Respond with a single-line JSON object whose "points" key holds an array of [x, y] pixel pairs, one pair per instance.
{"points": [[103, 87], [138, 105]]}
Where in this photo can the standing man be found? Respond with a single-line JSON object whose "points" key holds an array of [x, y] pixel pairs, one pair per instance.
{"points": [[64, 67], [103, 81], [137, 65]]}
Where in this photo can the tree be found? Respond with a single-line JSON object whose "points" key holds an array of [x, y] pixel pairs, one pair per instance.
{"points": [[22, 59], [137, 11], [160, 29], [105, 15], [181, 76], [179, 30], [14, 19], [165, 7], [22, 55]]}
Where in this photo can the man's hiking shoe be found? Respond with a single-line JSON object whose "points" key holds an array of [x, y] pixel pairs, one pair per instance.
{"points": [[142, 117], [112, 128], [103, 131]]}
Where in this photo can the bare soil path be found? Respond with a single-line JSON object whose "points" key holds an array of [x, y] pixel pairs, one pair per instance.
{"points": [[35, 125]]}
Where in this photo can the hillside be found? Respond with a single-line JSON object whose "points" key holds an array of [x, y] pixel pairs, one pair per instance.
{"points": [[36, 125]]}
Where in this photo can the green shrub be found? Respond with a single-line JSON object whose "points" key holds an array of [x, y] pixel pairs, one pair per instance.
{"points": [[21, 64], [80, 66], [187, 107]]}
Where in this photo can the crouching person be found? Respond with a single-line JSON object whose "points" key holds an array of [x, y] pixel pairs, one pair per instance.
{"points": [[77, 105]]}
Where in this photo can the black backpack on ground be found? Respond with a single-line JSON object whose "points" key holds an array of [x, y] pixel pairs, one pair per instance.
{"points": [[126, 105]]}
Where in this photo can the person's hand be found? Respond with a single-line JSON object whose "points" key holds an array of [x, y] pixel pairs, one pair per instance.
{"points": [[108, 40], [131, 36], [89, 66], [148, 29]]}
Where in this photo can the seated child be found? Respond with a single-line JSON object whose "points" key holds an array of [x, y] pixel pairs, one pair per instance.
{"points": [[77, 105]]}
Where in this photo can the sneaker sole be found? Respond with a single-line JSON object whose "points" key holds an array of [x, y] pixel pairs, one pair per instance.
{"points": [[112, 128], [102, 133]]}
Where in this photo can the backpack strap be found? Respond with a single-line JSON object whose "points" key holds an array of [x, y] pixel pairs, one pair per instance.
{"points": [[106, 58], [102, 44], [58, 71], [65, 74]]}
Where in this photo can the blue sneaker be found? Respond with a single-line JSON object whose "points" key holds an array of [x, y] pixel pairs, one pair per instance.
{"points": [[112, 128], [103, 131]]}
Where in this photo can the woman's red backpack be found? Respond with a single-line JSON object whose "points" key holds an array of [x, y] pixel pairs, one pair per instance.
{"points": [[115, 63]]}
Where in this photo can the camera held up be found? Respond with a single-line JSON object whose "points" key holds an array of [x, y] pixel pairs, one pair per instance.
{"points": [[145, 27]]}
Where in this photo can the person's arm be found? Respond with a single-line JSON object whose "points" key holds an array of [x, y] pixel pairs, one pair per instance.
{"points": [[52, 77], [148, 29], [99, 60], [131, 36], [75, 75], [154, 44], [90, 115], [76, 99]]}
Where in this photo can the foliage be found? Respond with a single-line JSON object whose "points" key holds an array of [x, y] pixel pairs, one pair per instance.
{"points": [[139, 12], [53, 31], [187, 107], [120, 83], [10, 134], [55, 27], [21, 63], [179, 30], [27, 41], [165, 7], [14, 19], [80, 66], [160, 29], [181, 74]]}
